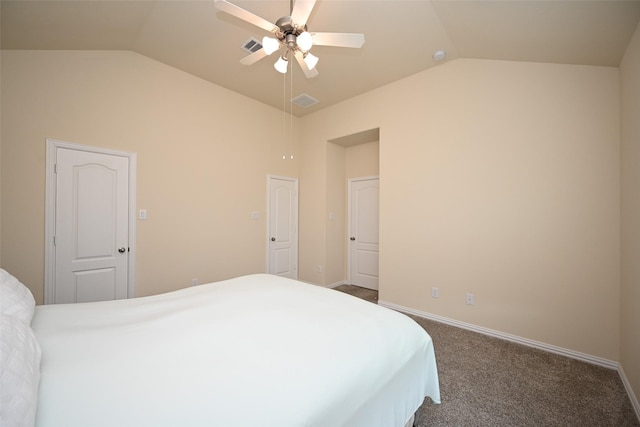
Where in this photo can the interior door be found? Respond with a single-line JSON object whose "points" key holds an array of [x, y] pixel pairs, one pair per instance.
{"points": [[364, 232], [91, 226], [283, 227]]}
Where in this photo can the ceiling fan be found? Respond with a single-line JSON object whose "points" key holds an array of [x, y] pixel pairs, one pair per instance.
{"points": [[292, 35]]}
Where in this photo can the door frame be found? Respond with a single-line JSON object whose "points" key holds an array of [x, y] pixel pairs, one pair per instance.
{"points": [[268, 222], [350, 181], [50, 211]]}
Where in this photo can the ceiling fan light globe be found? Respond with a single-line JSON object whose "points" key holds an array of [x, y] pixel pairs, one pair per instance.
{"points": [[281, 65], [311, 60], [304, 41], [270, 45]]}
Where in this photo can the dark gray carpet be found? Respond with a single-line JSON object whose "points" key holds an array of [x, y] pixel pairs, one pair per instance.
{"points": [[486, 381]]}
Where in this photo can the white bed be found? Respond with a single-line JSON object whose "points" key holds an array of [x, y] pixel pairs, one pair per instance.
{"points": [[258, 350]]}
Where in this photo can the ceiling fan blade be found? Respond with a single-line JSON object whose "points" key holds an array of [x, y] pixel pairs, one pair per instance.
{"points": [[245, 15], [254, 57], [307, 72], [338, 39], [301, 11]]}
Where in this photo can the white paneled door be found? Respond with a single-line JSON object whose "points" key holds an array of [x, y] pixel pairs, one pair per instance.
{"points": [[282, 235], [91, 242], [363, 232]]}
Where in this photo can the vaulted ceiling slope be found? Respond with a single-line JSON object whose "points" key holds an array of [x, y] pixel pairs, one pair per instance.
{"points": [[401, 37]]}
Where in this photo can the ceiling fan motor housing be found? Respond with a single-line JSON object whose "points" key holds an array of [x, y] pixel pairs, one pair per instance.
{"points": [[289, 31]]}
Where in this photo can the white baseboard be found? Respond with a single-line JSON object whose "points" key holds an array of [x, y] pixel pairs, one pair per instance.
{"points": [[332, 285], [514, 338], [525, 341], [632, 395]]}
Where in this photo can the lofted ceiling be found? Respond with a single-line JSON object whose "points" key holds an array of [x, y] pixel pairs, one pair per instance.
{"points": [[401, 37]]}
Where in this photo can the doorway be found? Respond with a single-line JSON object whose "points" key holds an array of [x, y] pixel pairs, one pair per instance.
{"points": [[282, 229], [350, 157], [89, 224], [364, 202]]}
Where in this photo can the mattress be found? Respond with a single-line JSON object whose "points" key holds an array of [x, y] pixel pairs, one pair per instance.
{"points": [[257, 350]]}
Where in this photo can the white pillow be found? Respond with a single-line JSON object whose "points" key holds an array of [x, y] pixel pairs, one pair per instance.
{"points": [[16, 299], [19, 373]]}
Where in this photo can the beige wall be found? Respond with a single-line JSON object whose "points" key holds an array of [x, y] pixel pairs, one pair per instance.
{"points": [[334, 219], [201, 169], [1, 160], [500, 179], [497, 178], [630, 135], [363, 160], [313, 209]]}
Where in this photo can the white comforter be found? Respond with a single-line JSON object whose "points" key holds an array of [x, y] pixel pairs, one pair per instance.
{"points": [[258, 350]]}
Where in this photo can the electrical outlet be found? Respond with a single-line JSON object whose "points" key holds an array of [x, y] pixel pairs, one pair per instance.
{"points": [[194, 281], [470, 299], [434, 292]]}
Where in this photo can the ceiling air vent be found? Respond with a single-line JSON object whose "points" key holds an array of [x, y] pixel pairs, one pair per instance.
{"points": [[252, 45], [304, 100]]}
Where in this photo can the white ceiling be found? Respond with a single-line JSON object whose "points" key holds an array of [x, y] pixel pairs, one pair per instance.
{"points": [[401, 37]]}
